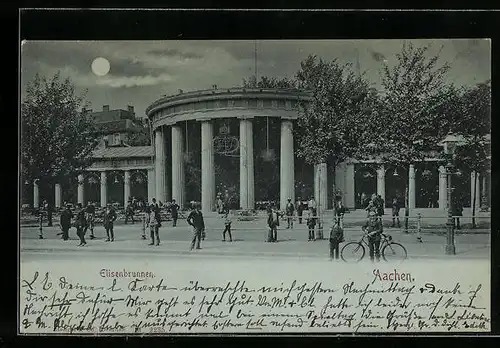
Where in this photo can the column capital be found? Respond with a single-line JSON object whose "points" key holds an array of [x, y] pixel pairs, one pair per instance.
{"points": [[245, 117]]}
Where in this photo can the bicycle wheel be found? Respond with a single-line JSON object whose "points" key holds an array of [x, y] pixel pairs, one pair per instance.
{"points": [[394, 252], [352, 252]]}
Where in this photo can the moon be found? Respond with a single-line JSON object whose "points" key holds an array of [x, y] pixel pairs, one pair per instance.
{"points": [[100, 66]]}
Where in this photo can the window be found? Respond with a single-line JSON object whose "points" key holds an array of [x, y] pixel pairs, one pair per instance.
{"points": [[252, 103], [116, 139], [281, 104], [210, 104], [267, 103]]}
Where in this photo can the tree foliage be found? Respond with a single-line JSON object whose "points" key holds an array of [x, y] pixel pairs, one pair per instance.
{"points": [[416, 109], [332, 126], [142, 135], [57, 137]]}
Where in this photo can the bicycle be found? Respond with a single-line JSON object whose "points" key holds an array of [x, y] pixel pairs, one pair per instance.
{"points": [[388, 248]]}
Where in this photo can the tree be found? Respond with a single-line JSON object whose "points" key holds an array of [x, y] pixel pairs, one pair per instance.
{"points": [[142, 134], [411, 113], [473, 122], [332, 126], [57, 137]]}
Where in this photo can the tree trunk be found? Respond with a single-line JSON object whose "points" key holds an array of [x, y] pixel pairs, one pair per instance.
{"points": [[474, 201], [334, 190]]}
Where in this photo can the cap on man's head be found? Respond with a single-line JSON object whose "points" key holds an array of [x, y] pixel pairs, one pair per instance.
{"points": [[289, 199]]}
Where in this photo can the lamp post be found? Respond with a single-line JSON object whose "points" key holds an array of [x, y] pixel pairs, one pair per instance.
{"points": [[449, 144]]}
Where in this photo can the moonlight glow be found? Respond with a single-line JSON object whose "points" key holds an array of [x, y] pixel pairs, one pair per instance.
{"points": [[100, 66]]}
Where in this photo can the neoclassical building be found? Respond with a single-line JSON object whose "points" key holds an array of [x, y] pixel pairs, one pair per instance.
{"points": [[243, 130]]}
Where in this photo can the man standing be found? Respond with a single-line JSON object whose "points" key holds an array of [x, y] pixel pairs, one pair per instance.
{"points": [[66, 217], [174, 210], [153, 221], [395, 211], [273, 223], [311, 205], [109, 219], [89, 217], [300, 209], [380, 206], [129, 211], [374, 229], [195, 219], [81, 224], [289, 213]]}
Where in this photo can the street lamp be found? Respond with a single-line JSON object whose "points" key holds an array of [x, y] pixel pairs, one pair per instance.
{"points": [[449, 145]]}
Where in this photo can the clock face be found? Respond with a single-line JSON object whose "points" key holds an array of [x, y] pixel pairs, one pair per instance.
{"points": [[100, 66]]}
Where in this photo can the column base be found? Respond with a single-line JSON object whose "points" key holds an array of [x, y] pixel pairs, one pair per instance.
{"points": [[450, 249]]}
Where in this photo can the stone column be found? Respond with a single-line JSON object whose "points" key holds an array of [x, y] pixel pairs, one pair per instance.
{"points": [[287, 179], [207, 167], [484, 192], [250, 166], [381, 181], [443, 198], [177, 165], [478, 191], [126, 187], [350, 200], [321, 186], [81, 189], [36, 194], [58, 195], [151, 184], [411, 187], [104, 189], [160, 166], [246, 165]]}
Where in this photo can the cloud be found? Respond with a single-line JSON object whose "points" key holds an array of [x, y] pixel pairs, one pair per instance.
{"points": [[173, 52], [133, 81]]}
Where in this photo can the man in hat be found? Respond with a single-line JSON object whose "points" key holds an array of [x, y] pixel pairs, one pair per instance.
{"points": [[174, 211], [153, 221], [374, 229], [90, 217], [273, 222], [80, 223], [66, 217], [195, 219], [290, 209], [300, 209], [108, 221], [129, 211]]}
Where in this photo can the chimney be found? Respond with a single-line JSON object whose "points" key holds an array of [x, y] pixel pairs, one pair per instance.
{"points": [[131, 109], [105, 108]]}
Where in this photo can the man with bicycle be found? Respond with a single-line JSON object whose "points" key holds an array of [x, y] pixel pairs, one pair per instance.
{"points": [[373, 228]]}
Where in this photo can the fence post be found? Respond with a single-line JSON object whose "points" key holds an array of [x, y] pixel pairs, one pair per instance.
{"points": [[419, 227], [40, 227]]}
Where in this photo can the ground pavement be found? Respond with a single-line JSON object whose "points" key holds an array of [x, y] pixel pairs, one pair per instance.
{"points": [[248, 242]]}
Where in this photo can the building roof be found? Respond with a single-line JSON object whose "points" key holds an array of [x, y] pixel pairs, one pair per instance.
{"points": [[124, 152], [111, 115]]}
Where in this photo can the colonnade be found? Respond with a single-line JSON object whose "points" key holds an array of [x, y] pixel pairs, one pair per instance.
{"points": [[247, 169]]}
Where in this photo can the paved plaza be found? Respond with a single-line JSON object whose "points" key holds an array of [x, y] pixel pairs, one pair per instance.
{"points": [[249, 242]]}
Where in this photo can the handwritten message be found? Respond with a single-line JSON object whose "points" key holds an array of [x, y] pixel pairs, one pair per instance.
{"points": [[382, 299]]}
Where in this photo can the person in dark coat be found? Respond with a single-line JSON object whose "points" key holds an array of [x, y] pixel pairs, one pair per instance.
{"points": [[90, 217], [336, 237], [174, 211], [300, 209], [273, 221], [195, 219], [311, 224], [108, 221], [227, 226], [339, 210], [66, 217], [80, 223], [290, 209], [374, 229], [395, 211], [153, 221], [380, 205]]}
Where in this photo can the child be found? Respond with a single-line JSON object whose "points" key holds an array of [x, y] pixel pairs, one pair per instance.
{"points": [[311, 223], [227, 224], [336, 237]]}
